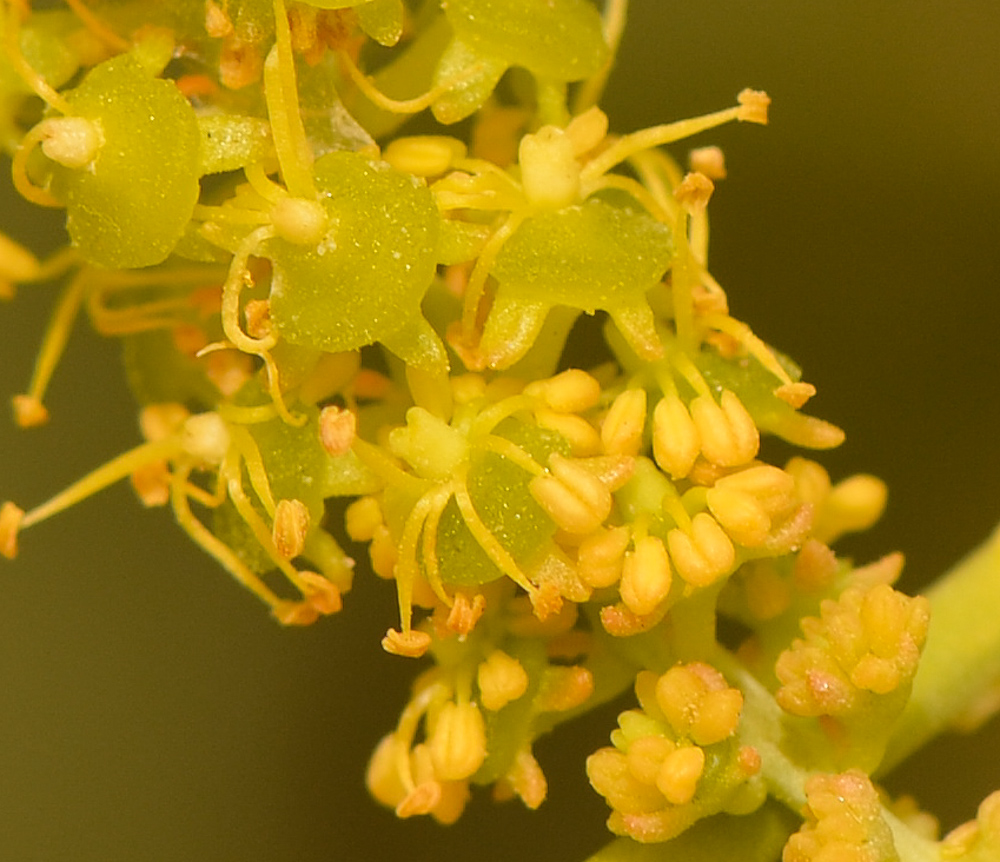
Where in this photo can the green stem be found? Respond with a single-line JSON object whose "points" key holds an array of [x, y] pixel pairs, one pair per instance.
{"points": [[961, 658]]}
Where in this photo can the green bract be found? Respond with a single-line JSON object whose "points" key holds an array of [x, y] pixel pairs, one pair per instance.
{"points": [[556, 41], [363, 282], [591, 257], [129, 207], [499, 491]]}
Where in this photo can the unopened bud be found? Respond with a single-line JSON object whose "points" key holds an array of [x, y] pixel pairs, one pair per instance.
{"points": [[501, 678], [582, 437], [646, 578], [564, 688], [571, 391], [728, 434], [572, 496], [704, 554], [600, 556], [852, 505], [679, 775], [676, 442], [362, 518], [698, 703], [457, 742], [621, 433]]}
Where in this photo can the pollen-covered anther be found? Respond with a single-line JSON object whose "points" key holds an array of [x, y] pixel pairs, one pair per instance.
{"points": [[457, 740], [151, 483], [852, 505], [29, 412], [465, 613], [709, 161], [753, 106], [694, 192], [525, 779], [290, 527], [747, 503], [217, 22], [564, 688], [621, 431], [843, 821], [698, 703], [702, 555], [258, 318], [796, 394], [337, 427], [159, 421], [582, 437], [11, 516], [727, 432], [321, 594], [570, 391], [676, 441], [576, 499], [600, 556], [646, 576], [411, 644], [501, 679], [679, 774]]}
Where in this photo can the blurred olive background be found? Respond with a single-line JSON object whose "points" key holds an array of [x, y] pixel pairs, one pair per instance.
{"points": [[150, 710]]}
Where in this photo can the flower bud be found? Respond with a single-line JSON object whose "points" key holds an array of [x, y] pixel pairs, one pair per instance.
{"points": [[704, 554], [728, 434], [852, 505], [676, 443], [501, 679], [571, 391], [457, 741], [678, 777], [601, 554], [646, 577], [572, 496], [621, 432], [698, 703]]}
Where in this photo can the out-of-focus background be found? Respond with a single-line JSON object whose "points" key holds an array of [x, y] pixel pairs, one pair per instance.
{"points": [[150, 710]]}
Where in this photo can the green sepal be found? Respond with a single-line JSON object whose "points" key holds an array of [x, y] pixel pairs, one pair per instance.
{"points": [[593, 256], [561, 40], [131, 205], [365, 279], [475, 75], [499, 492], [230, 142], [382, 20]]}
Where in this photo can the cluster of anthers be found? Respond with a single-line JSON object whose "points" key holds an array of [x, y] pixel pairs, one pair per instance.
{"points": [[319, 318]]}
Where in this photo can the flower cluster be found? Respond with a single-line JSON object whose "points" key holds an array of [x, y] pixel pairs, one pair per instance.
{"points": [[338, 335]]}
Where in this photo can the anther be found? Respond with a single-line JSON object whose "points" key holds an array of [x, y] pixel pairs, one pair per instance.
{"points": [[291, 525], [337, 428], [621, 431]]}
